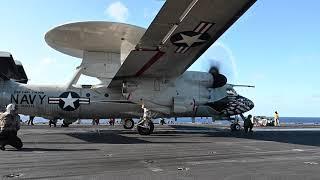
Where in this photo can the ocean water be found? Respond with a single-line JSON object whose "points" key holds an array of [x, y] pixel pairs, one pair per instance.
{"points": [[284, 120], [300, 120]]}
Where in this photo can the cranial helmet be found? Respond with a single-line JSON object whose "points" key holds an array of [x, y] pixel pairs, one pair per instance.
{"points": [[10, 108]]}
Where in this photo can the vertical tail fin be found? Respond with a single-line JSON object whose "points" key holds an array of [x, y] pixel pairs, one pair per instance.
{"points": [[11, 69]]}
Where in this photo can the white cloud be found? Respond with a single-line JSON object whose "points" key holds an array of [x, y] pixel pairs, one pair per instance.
{"points": [[118, 11]]}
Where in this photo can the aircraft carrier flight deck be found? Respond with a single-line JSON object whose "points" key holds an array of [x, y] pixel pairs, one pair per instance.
{"points": [[172, 152]]}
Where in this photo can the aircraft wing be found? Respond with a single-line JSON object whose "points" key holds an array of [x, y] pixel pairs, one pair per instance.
{"points": [[11, 69], [180, 33]]}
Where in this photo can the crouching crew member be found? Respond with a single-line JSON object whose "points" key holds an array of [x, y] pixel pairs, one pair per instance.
{"points": [[9, 126]]}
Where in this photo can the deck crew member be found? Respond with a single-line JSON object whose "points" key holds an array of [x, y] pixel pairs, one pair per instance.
{"points": [[30, 121], [162, 122], [9, 126], [276, 119], [112, 121], [248, 125]]}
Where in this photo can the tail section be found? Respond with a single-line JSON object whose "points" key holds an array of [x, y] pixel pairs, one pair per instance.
{"points": [[11, 69]]}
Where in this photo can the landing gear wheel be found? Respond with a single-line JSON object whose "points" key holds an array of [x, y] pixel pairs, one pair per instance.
{"points": [[128, 124], [65, 124], [145, 128], [53, 122], [235, 127]]}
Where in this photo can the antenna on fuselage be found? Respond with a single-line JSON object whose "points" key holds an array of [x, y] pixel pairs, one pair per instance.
{"points": [[236, 85]]}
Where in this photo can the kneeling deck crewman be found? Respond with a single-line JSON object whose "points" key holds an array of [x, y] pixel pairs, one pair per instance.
{"points": [[9, 126]]}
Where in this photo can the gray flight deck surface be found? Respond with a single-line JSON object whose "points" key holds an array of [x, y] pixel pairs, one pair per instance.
{"points": [[172, 152]]}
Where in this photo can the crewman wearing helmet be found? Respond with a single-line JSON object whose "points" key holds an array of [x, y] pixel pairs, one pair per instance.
{"points": [[9, 126]]}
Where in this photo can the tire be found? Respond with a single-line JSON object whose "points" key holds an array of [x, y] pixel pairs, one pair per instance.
{"points": [[53, 122], [128, 124], [146, 131], [237, 127], [65, 124]]}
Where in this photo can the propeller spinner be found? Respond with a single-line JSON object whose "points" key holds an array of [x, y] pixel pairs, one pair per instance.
{"points": [[219, 79]]}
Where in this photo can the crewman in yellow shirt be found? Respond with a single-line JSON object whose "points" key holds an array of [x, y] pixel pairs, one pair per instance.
{"points": [[276, 119]]}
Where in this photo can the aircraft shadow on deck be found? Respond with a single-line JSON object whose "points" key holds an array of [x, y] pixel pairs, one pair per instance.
{"points": [[106, 138], [188, 127], [308, 138], [176, 136], [121, 137], [52, 150]]}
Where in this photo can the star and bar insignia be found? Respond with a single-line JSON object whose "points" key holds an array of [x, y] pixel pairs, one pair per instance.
{"points": [[188, 39], [69, 101]]}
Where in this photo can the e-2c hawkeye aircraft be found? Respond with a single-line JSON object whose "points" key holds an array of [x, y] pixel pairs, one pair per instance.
{"points": [[142, 72]]}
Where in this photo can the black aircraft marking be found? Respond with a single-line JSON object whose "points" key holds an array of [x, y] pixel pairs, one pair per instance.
{"points": [[26, 99], [188, 39], [69, 101], [232, 105]]}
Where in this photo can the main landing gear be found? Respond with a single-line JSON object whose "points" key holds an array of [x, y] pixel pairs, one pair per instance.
{"points": [[53, 122], [65, 124], [128, 123], [145, 125]]}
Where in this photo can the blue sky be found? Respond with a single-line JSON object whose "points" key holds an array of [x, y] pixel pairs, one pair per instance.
{"points": [[274, 46]]}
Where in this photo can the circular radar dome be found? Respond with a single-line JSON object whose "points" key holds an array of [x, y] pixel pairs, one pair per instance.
{"points": [[98, 36]]}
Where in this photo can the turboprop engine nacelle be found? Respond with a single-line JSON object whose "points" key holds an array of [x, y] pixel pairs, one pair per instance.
{"points": [[210, 79]]}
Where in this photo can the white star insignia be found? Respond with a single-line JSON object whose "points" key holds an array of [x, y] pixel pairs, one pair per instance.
{"points": [[190, 40], [69, 101]]}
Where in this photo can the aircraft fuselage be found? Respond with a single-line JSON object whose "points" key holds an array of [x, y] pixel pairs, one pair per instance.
{"points": [[188, 95]]}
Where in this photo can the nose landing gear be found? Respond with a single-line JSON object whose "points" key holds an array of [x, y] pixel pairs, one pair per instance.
{"points": [[145, 126], [235, 126]]}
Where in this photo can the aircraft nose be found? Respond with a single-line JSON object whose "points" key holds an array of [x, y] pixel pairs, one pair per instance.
{"points": [[232, 105], [247, 103], [238, 105]]}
